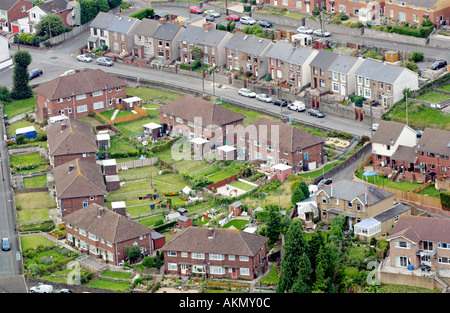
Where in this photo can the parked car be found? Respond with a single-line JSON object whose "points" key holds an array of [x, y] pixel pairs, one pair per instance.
{"points": [[264, 98], [233, 17], [438, 65], [419, 133], [104, 61], [42, 288], [210, 18], [196, 10], [321, 33], [281, 102], [6, 245], [247, 93], [265, 24], [374, 126], [64, 290], [68, 72], [212, 13], [297, 106], [247, 20], [35, 73], [316, 113], [84, 58], [304, 30], [325, 181]]}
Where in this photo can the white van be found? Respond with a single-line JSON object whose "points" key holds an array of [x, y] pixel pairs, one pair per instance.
{"points": [[41, 288], [298, 106]]}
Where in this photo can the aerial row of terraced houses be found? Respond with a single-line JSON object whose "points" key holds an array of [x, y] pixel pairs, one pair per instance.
{"points": [[296, 65]]}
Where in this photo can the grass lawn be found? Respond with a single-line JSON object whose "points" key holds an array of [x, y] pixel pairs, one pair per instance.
{"points": [[146, 93], [92, 120], [386, 182], [295, 15], [11, 129], [109, 113], [32, 215], [35, 182], [272, 277], [419, 116], [433, 97], [34, 241], [17, 107], [35, 200], [405, 289], [30, 158], [445, 88], [315, 174], [113, 274], [110, 285], [430, 191], [237, 223], [135, 126], [242, 185]]}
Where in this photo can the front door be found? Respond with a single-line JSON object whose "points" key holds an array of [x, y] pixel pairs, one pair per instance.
{"points": [[233, 272], [342, 89], [184, 268]]}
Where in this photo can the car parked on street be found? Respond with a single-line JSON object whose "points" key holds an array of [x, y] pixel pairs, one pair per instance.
{"points": [[233, 17], [438, 65], [298, 106], [84, 58], [6, 245], [64, 290], [264, 98], [35, 73], [304, 30], [265, 24], [196, 10], [321, 33], [316, 113], [374, 126], [104, 61], [210, 18], [42, 288], [280, 102], [247, 20], [212, 13], [246, 93], [68, 72]]}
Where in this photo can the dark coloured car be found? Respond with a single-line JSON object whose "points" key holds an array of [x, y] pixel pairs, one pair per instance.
{"points": [[281, 102], [35, 73], [265, 24], [209, 18], [438, 65], [6, 245], [316, 113], [64, 290]]}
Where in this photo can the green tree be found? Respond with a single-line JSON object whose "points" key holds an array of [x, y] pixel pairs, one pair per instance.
{"points": [[51, 25], [102, 5], [133, 253], [21, 78], [299, 193], [295, 246], [273, 224], [5, 95], [314, 246], [87, 10], [302, 282]]}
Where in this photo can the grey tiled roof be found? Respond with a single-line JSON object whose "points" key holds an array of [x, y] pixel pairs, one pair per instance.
{"points": [[397, 209], [435, 141], [198, 35], [324, 59], [122, 24], [343, 64], [286, 52], [349, 190], [248, 44], [146, 27], [379, 71], [102, 20], [167, 31]]}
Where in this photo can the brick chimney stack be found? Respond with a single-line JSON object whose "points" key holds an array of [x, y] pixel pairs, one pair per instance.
{"points": [[207, 26], [162, 20], [210, 233]]}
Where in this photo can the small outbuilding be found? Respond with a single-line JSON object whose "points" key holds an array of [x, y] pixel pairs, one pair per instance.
{"points": [[28, 132]]}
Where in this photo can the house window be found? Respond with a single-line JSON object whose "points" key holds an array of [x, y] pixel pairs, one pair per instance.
{"points": [[184, 254], [218, 257], [82, 108], [343, 78], [244, 271], [98, 105], [402, 244], [358, 207], [97, 93], [335, 87], [428, 245], [341, 8], [243, 258], [217, 270], [324, 200], [401, 261], [93, 237], [367, 93], [172, 266], [85, 204], [82, 232], [196, 255], [336, 201], [60, 100], [322, 83], [349, 204], [171, 253], [335, 76], [231, 257], [81, 97], [359, 80]]}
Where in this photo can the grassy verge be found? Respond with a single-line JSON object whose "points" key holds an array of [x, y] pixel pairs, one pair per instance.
{"points": [[433, 97], [17, 107]]}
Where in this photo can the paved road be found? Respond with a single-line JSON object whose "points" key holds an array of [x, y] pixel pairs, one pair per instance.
{"points": [[9, 264]]}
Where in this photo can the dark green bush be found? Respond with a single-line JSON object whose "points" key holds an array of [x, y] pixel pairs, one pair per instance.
{"points": [[145, 13]]}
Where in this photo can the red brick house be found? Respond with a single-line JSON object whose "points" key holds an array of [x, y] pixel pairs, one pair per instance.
{"points": [[100, 232], [78, 184], [275, 142], [198, 118], [418, 240], [12, 10], [415, 11], [78, 94], [218, 253], [298, 5], [433, 152], [69, 140]]}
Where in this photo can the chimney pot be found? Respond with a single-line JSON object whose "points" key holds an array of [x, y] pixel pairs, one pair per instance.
{"points": [[71, 168], [210, 233], [100, 211], [208, 26], [63, 126], [162, 20]]}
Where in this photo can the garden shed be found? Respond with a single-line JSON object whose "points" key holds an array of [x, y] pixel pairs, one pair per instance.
{"points": [[152, 130], [129, 103], [28, 132]]}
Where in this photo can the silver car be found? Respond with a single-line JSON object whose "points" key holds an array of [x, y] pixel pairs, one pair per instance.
{"points": [[104, 61], [84, 58], [246, 93], [304, 30], [264, 98], [247, 20]]}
